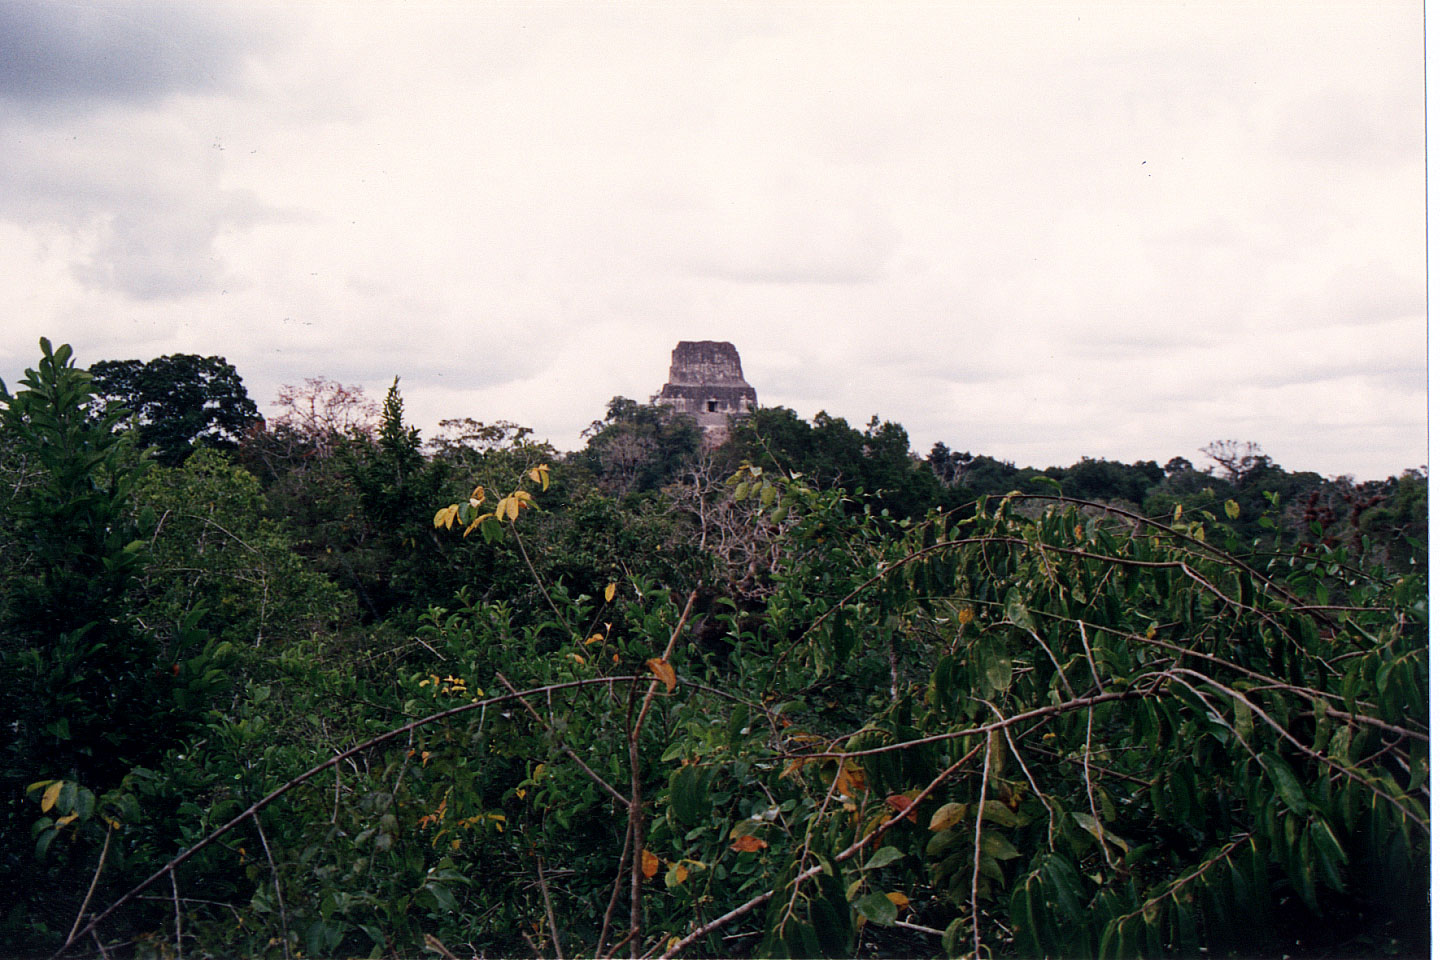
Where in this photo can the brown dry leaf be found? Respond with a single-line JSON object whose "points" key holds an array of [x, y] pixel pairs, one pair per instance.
{"points": [[649, 864], [902, 803], [663, 671], [748, 844]]}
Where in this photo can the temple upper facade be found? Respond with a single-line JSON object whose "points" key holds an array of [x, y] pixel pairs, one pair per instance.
{"points": [[706, 383]]}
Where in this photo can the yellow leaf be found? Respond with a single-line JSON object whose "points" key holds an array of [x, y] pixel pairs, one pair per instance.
{"points": [[1179, 511], [66, 819], [609, 592], [947, 816], [478, 494], [501, 507], [535, 474], [899, 899], [594, 638], [473, 524], [1232, 509], [440, 517], [663, 671], [681, 873], [52, 793], [649, 864], [513, 510]]}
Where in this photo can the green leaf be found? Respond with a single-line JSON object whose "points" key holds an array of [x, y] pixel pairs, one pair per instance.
{"points": [[999, 814], [951, 942], [444, 899], [1016, 611], [42, 842], [1286, 785], [877, 908], [998, 671], [687, 795], [883, 857], [994, 845]]}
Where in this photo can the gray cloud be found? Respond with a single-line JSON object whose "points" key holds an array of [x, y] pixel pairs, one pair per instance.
{"points": [[58, 52]]}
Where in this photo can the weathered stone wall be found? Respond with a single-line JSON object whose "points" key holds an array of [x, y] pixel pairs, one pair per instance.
{"points": [[706, 382]]}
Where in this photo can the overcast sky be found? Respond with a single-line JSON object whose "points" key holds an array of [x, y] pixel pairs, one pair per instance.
{"points": [[1035, 231]]}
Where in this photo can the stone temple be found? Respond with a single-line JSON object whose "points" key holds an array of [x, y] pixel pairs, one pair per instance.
{"points": [[707, 384]]}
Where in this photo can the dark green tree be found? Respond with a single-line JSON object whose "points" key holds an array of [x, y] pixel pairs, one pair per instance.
{"points": [[87, 691], [180, 402]]}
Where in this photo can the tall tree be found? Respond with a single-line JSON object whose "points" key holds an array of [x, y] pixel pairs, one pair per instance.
{"points": [[180, 401]]}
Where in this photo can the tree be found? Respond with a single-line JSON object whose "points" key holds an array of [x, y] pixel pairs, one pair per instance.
{"points": [[87, 691], [180, 401], [638, 447], [214, 553]]}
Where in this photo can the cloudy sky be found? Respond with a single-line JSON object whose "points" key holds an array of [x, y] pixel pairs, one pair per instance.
{"points": [[1036, 231]]}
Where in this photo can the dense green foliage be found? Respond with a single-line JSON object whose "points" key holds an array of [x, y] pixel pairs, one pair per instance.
{"points": [[803, 694], [180, 402]]}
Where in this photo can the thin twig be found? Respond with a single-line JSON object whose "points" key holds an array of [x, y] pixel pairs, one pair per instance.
{"points": [[549, 910], [975, 874], [275, 875], [427, 647], [433, 944], [544, 590], [93, 880], [1089, 795], [614, 891], [1094, 671], [175, 890], [1047, 711]]}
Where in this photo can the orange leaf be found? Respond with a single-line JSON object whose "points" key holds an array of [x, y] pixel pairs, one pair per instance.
{"points": [[748, 844], [649, 864], [856, 773], [609, 592], [899, 899], [662, 671]]}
